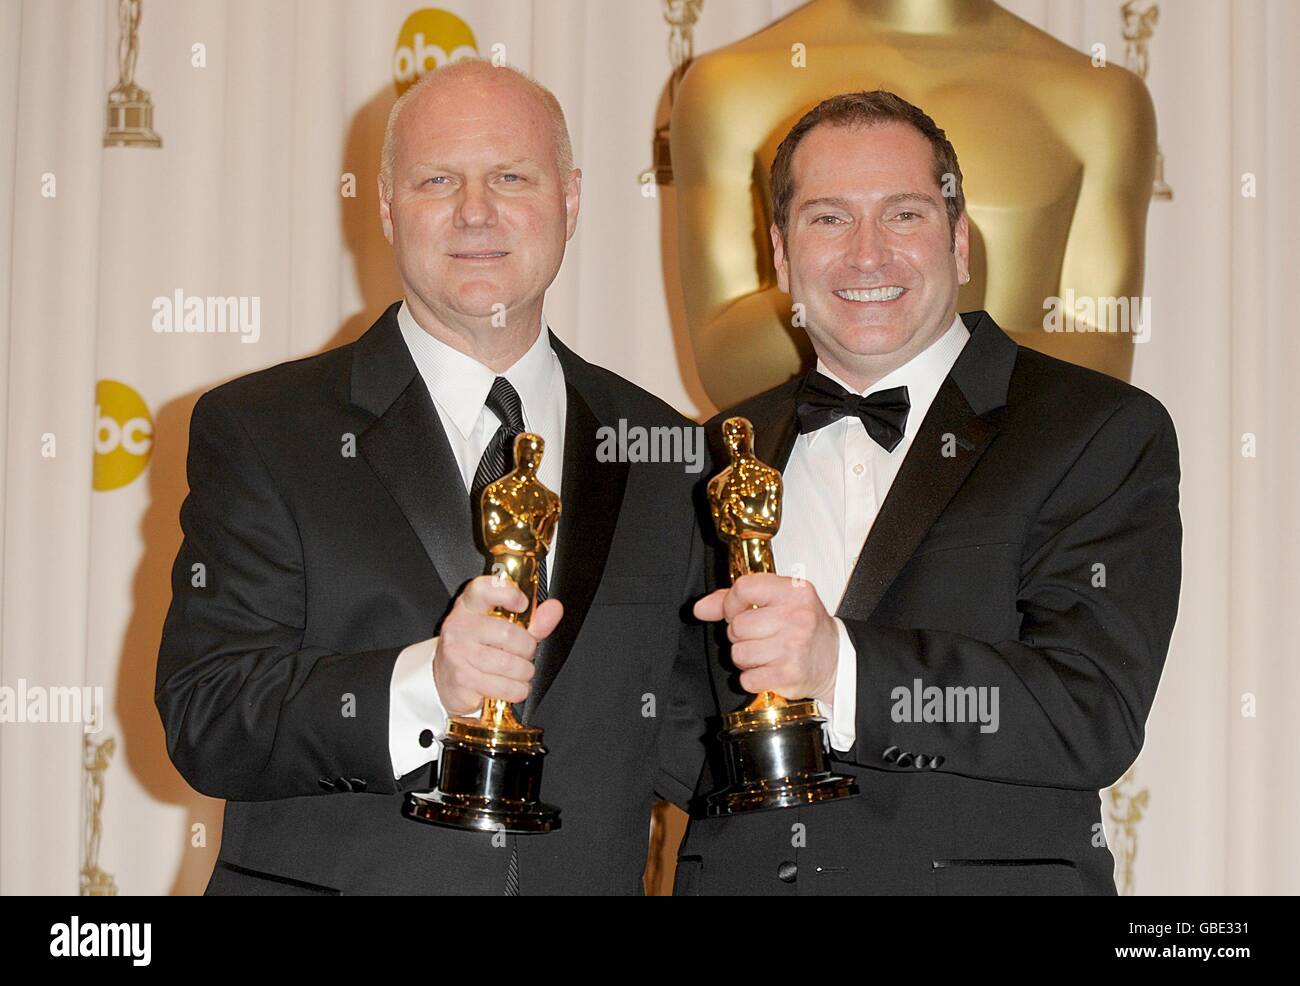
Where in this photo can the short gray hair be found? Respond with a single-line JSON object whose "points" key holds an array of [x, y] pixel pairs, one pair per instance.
{"points": [[559, 129]]}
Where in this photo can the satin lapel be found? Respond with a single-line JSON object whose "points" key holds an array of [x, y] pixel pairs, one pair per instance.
{"points": [[936, 465], [591, 496], [408, 450], [775, 425]]}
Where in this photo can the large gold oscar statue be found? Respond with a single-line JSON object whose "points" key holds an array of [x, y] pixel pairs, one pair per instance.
{"points": [[774, 749], [490, 770], [1057, 154]]}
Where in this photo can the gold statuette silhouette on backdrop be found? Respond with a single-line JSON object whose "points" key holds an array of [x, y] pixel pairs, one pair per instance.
{"points": [[775, 751], [130, 110], [490, 770]]}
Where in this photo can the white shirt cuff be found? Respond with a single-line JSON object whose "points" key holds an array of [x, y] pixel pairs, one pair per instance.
{"points": [[841, 729], [413, 707]]}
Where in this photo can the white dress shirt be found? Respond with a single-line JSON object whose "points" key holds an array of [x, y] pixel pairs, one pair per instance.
{"points": [[459, 386], [835, 481]]}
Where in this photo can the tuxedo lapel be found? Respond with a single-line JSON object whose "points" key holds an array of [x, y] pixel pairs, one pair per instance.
{"points": [[775, 426], [591, 496], [408, 450], [936, 464]]}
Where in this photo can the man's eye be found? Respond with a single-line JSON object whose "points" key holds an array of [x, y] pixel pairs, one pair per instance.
{"points": [[437, 179], [907, 215], [512, 178], [827, 220]]}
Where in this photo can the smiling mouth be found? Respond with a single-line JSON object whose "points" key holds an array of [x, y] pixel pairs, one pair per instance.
{"points": [[890, 293], [480, 255]]}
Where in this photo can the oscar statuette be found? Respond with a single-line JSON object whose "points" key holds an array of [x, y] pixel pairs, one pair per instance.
{"points": [[490, 770], [775, 752]]}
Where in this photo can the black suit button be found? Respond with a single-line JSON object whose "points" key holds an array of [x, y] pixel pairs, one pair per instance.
{"points": [[922, 761], [326, 784], [426, 738], [787, 872], [890, 755], [358, 784], [935, 761], [905, 760]]}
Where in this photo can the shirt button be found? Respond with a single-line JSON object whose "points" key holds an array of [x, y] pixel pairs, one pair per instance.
{"points": [[426, 738], [858, 469], [787, 872]]}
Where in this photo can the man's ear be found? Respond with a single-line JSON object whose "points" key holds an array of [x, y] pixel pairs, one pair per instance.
{"points": [[961, 248], [779, 260], [385, 211], [572, 200]]}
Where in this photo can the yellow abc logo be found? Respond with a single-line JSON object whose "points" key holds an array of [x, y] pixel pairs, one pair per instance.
{"points": [[123, 435], [428, 39]]}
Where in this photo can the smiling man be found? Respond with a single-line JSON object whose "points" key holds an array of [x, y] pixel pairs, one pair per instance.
{"points": [[980, 548], [330, 610]]}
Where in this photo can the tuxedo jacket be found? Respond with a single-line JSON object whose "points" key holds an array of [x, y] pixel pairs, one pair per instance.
{"points": [[327, 526], [1030, 544]]}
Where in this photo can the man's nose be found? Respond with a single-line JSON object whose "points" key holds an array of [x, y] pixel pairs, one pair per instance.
{"points": [[475, 207], [868, 249]]}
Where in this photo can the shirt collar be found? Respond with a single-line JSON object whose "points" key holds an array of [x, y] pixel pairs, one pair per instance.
{"points": [[922, 375], [459, 384]]}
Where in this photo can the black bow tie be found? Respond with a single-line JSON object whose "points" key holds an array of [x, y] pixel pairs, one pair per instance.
{"points": [[884, 414]]}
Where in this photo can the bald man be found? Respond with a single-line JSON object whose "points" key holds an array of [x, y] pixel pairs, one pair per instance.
{"points": [[344, 613]]}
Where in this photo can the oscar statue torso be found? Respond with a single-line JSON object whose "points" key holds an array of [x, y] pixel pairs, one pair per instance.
{"points": [[745, 499], [518, 516]]}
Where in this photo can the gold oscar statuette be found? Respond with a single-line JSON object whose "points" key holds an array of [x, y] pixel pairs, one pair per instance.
{"points": [[490, 770], [775, 752]]}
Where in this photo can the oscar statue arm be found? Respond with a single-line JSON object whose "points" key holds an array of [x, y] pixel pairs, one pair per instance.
{"points": [[1104, 250]]}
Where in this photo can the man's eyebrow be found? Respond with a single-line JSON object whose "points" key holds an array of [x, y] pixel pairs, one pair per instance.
{"points": [[500, 166], [835, 202], [832, 201], [900, 197]]}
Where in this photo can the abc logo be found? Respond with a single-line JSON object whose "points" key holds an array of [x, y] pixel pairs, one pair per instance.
{"points": [[428, 39], [123, 435]]}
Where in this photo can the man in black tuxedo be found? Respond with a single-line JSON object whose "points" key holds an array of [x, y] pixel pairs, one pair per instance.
{"points": [[995, 532], [330, 609]]}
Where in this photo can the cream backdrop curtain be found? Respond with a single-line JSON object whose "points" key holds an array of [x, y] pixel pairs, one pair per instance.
{"points": [[246, 197]]}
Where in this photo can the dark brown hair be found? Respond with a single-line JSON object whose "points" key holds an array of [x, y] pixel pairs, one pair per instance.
{"points": [[865, 109]]}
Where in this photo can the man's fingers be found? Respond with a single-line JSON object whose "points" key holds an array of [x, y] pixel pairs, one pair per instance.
{"points": [[487, 592], [493, 631], [489, 661], [759, 589], [754, 624], [495, 686], [546, 618], [710, 607], [755, 653], [766, 679]]}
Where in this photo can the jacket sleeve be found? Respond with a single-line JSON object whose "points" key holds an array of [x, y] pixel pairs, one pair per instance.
{"points": [[1074, 688], [251, 710]]}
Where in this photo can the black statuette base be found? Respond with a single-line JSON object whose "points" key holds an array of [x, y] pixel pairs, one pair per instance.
{"points": [[486, 789], [778, 766]]}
